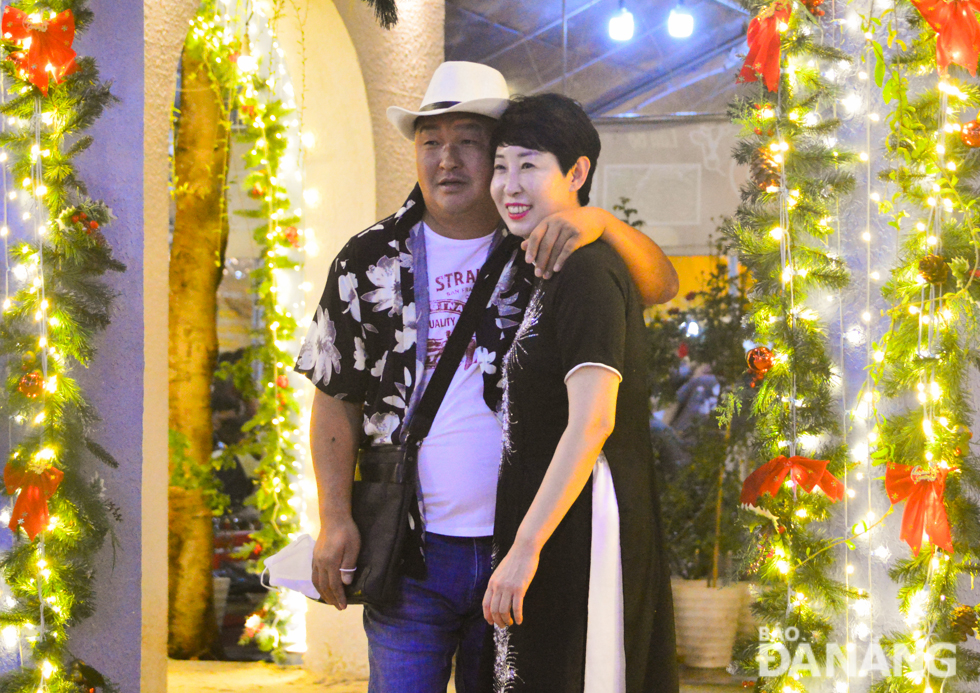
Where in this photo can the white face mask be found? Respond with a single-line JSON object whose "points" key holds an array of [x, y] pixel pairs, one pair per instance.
{"points": [[292, 567]]}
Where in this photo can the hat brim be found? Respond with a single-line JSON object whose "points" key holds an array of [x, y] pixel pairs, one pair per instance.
{"points": [[404, 119]]}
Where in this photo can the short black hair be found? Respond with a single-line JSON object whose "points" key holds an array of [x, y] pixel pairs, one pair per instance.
{"points": [[551, 123]]}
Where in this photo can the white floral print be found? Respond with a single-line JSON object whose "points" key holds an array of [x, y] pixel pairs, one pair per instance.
{"points": [[401, 398], [380, 426], [318, 352], [406, 337], [348, 293], [373, 345], [485, 360], [386, 275], [407, 206], [379, 366], [360, 354]]}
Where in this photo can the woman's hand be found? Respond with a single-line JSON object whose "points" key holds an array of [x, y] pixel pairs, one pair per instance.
{"points": [[503, 604]]}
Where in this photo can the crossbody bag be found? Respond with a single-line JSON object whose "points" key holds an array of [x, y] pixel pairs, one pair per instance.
{"points": [[384, 503]]}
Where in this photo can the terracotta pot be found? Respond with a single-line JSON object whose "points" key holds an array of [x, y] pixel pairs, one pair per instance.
{"points": [[706, 620]]}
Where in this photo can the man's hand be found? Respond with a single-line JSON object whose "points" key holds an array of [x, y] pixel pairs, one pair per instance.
{"points": [[336, 549], [558, 236], [562, 233], [503, 603]]}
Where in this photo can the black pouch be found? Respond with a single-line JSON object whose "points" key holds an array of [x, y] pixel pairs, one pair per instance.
{"points": [[385, 509]]}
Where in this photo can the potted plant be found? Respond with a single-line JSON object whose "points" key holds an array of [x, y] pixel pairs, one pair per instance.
{"points": [[697, 358]]}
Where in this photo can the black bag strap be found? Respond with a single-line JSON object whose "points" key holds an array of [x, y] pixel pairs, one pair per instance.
{"points": [[476, 304]]}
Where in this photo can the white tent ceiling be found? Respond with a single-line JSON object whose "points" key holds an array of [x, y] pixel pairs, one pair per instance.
{"points": [[652, 74]]}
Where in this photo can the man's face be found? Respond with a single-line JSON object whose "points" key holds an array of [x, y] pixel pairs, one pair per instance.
{"points": [[452, 153]]}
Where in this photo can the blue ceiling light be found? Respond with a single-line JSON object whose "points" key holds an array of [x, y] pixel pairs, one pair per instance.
{"points": [[680, 23], [621, 25]]}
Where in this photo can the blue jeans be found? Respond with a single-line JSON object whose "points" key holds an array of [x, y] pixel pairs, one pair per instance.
{"points": [[411, 643]]}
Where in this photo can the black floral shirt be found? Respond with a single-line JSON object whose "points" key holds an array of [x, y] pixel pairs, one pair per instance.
{"points": [[362, 343]]}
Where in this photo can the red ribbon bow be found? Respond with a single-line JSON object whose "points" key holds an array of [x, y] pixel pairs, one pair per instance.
{"points": [[805, 472], [49, 54], [32, 503], [763, 38], [922, 490], [957, 29]]}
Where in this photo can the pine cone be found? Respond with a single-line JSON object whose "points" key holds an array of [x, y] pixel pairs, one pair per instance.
{"points": [[964, 622], [933, 269], [763, 170]]}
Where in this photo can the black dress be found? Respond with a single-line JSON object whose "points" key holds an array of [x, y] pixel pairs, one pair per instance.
{"points": [[589, 313]]}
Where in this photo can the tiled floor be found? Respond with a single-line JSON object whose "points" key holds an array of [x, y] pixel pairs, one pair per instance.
{"points": [[259, 677]]}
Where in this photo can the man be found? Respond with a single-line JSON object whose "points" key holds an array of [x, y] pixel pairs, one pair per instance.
{"points": [[394, 294]]}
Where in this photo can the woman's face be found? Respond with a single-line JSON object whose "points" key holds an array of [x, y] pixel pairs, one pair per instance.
{"points": [[529, 185]]}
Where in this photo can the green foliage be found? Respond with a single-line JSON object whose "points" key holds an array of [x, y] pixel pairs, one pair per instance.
{"points": [[701, 493], [47, 332], [925, 357], [627, 212], [186, 473], [261, 375], [796, 180]]}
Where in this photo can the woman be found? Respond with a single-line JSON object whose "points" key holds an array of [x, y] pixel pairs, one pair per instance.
{"points": [[572, 611]]}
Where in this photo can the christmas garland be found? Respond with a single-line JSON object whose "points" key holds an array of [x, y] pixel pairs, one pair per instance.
{"points": [[262, 374], [61, 516], [924, 450], [781, 230]]}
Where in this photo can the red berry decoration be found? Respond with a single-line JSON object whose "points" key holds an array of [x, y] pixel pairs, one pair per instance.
{"points": [[256, 192], [970, 133], [31, 384], [93, 224], [83, 215], [759, 361], [292, 235], [814, 7], [682, 350], [75, 218], [282, 381]]}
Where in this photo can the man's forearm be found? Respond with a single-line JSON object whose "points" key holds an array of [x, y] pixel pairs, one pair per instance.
{"points": [[650, 268], [335, 434]]}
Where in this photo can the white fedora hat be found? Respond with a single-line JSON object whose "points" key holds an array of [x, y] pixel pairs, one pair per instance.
{"points": [[456, 87]]}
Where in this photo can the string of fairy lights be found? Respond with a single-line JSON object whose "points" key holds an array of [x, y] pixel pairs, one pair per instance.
{"points": [[864, 412], [916, 447], [920, 448], [269, 127]]}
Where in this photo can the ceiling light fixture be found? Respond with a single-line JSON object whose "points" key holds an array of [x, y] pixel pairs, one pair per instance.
{"points": [[621, 25], [680, 23]]}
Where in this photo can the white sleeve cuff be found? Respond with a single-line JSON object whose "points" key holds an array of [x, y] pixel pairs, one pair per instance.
{"points": [[590, 364]]}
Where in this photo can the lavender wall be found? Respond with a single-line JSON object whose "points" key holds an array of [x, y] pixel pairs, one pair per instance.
{"points": [[113, 169]]}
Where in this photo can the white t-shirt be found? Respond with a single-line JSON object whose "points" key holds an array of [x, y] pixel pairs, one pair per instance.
{"points": [[459, 459]]}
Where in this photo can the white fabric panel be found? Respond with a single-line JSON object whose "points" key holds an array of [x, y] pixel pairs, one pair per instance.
{"points": [[605, 653]]}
